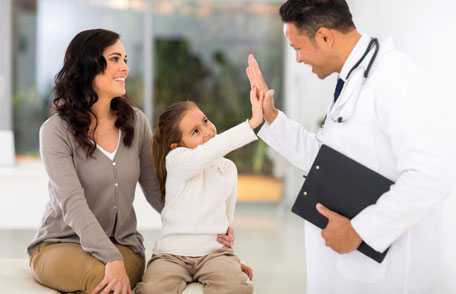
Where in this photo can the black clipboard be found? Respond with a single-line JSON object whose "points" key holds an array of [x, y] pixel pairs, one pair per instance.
{"points": [[344, 186]]}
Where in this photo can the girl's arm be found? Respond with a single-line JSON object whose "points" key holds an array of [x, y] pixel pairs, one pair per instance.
{"points": [[186, 163]]}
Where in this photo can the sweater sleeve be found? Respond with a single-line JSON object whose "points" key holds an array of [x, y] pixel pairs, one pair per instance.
{"points": [[185, 163], [231, 201], [66, 190], [148, 179]]}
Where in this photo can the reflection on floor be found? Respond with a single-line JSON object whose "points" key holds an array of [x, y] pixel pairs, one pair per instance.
{"points": [[269, 241]]}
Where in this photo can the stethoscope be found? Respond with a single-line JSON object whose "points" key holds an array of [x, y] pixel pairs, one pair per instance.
{"points": [[344, 108]]}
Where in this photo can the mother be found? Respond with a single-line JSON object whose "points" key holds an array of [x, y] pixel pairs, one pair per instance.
{"points": [[95, 149]]}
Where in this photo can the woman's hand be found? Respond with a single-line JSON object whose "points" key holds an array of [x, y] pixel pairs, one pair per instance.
{"points": [[115, 280], [256, 99], [227, 240]]}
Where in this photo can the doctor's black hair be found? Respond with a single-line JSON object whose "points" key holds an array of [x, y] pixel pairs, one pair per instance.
{"points": [[311, 15]]}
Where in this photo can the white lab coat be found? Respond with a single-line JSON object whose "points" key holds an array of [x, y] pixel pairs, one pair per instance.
{"points": [[400, 130]]}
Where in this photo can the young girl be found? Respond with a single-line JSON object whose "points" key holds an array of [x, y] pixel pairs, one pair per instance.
{"points": [[199, 189]]}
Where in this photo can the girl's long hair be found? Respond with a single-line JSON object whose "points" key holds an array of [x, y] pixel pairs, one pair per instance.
{"points": [[73, 91], [166, 133]]}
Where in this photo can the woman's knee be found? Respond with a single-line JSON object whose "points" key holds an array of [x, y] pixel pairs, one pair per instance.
{"points": [[65, 267], [134, 264]]}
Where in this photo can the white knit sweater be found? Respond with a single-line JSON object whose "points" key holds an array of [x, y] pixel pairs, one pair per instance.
{"points": [[200, 194]]}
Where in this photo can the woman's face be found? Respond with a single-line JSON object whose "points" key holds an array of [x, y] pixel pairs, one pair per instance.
{"points": [[111, 82], [196, 128]]}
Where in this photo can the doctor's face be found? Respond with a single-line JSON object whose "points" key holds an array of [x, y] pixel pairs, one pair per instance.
{"points": [[311, 51]]}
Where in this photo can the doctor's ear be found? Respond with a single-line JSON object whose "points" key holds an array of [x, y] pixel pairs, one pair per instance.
{"points": [[173, 146], [324, 37]]}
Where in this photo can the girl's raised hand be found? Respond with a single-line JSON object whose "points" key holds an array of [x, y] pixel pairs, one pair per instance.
{"points": [[256, 100]]}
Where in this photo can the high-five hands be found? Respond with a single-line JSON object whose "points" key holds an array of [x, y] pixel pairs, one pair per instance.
{"points": [[339, 234], [257, 108], [256, 79]]}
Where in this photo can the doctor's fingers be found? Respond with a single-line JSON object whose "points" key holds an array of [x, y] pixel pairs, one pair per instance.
{"points": [[254, 81], [334, 247], [269, 94], [253, 64], [324, 235], [326, 212], [256, 73]]}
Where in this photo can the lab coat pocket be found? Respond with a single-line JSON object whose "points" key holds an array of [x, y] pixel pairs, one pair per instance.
{"points": [[357, 267]]}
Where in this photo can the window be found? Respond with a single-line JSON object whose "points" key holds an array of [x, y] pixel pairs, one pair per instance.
{"points": [[197, 50]]}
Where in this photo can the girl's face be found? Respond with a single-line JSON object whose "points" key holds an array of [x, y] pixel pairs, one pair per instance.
{"points": [[196, 128], [111, 82]]}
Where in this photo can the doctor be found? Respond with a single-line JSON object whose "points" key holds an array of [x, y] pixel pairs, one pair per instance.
{"points": [[381, 116]]}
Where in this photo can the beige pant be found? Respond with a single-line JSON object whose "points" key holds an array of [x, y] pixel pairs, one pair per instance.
{"points": [[67, 268], [219, 272]]}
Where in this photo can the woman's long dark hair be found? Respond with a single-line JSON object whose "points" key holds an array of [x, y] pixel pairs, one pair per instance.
{"points": [[166, 133], [74, 94]]}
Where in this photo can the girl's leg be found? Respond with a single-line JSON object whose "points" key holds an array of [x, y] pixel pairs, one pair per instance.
{"points": [[165, 274], [220, 273]]}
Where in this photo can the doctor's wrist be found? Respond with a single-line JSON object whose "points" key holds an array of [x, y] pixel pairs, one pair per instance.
{"points": [[271, 116]]}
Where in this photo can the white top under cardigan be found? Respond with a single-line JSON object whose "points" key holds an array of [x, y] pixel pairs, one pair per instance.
{"points": [[200, 194], [111, 155]]}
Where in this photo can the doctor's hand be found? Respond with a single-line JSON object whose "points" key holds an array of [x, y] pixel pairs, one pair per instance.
{"points": [[256, 80], [270, 112], [339, 234], [255, 76]]}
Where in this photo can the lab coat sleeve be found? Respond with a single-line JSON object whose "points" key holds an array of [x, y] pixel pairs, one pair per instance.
{"points": [[418, 133], [291, 140]]}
